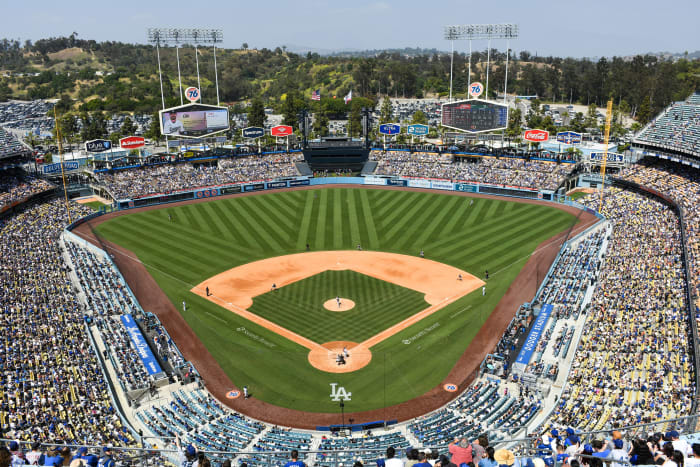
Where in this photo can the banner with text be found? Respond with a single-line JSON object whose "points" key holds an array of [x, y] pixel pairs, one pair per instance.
{"points": [[142, 348], [534, 337]]}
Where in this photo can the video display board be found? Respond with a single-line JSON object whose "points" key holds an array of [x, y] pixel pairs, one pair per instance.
{"points": [[475, 115], [193, 120]]}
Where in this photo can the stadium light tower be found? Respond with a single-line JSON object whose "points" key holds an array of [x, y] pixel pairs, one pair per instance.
{"points": [[177, 36], [488, 32]]}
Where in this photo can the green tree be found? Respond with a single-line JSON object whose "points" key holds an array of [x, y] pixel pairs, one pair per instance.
{"points": [[128, 127], [385, 114], [644, 112], [591, 116], [153, 132], [256, 113], [68, 127], [320, 125], [355, 121], [419, 117], [515, 119]]}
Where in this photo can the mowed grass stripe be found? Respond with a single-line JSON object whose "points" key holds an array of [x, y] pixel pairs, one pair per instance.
{"points": [[258, 209], [187, 211], [168, 256], [369, 222], [444, 210], [303, 236], [321, 220], [380, 200], [204, 219], [242, 235], [423, 221], [398, 213], [389, 206], [291, 201], [406, 217], [471, 215], [352, 218], [469, 245], [515, 235], [338, 203], [215, 222], [211, 250], [253, 228], [211, 245], [281, 214], [444, 231]]}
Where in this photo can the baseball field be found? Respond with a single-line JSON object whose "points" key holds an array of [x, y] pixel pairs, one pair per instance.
{"points": [[405, 320]]}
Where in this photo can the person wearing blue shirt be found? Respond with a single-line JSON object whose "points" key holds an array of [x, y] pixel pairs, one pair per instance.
{"points": [[106, 460], [489, 460], [295, 462]]}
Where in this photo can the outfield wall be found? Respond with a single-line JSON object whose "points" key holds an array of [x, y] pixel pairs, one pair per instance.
{"points": [[410, 182]]}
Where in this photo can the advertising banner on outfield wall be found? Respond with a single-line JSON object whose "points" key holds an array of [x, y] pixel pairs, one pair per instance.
{"points": [[142, 348], [374, 181], [254, 187], [272, 185], [419, 183], [465, 187], [208, 193], [395, 182], [442, 185], [299, 182], [534, 337]]}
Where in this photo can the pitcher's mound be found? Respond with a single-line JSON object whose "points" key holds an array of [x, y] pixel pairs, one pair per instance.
{"points": [[345, 304], [325, 358]]}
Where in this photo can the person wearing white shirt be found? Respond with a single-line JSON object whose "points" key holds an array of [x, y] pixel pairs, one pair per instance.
{"points": [[173, 125]]}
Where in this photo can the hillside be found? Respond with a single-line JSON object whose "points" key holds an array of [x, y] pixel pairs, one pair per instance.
{"points": [[118, 76]]}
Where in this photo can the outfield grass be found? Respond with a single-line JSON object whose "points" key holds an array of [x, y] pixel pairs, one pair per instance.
{"points": [[378, 305], [205, 239]]}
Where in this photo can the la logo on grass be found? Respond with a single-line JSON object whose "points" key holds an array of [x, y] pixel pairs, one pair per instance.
{"points": [[340, 393]]}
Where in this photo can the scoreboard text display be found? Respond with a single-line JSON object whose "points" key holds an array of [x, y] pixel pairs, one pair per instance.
{"points": [[475, 115]]}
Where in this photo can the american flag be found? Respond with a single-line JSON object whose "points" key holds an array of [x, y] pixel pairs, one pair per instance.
{"points": [[316, 95]]}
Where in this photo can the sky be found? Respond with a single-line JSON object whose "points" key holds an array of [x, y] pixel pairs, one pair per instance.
{"points": [[561, 28]]}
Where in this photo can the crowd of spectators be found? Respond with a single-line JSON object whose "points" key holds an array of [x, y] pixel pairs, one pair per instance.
{"points": [[134, 183], [53, 388], [682, 184], [633, 363], [676, 128], [16, 187], [502, 171]]}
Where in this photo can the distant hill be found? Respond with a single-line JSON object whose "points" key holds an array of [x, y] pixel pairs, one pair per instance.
{"points": [[115, 76]]}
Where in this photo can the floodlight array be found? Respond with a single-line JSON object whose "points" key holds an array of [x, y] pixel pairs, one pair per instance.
{"points": [[164, 36], [481, 31]]}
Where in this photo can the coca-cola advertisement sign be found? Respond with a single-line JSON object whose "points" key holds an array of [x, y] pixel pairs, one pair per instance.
{"points": [[536, 136]]}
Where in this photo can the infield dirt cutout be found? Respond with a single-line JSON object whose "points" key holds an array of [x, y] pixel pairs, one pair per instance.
{"points": [[235, 289]]}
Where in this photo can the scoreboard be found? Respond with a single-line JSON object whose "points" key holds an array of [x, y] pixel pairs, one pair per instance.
{"points": [[475, 115]]}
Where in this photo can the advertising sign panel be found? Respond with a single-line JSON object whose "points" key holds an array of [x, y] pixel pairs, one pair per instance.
{"points": [[281, 130], [98, 145], [53, 168], [418, 129], [389, 128], [569, 137], [192, 94], [374, 181], [475, 89], [536, 136], [132, 142], [194, 120], [139, 342], [253, 132], [419, 183]]}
